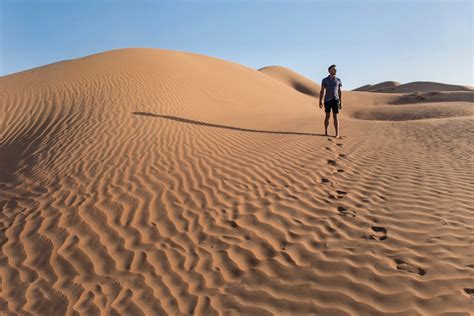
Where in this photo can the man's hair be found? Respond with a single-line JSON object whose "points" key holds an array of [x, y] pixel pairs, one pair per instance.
{"points": [[329, 68]]}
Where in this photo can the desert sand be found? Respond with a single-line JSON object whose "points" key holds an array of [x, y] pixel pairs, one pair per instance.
{"points": [[155, 182]]}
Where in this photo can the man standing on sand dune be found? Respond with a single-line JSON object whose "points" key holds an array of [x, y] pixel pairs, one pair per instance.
{"points": [[332, 100]]}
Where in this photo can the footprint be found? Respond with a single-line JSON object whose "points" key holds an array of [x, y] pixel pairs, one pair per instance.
{"points": [[324, 180], [332, 162], [340, 170], [340, 195], [380, 233], [469, 291], [201, 238], [403, 266], [345, 212], [339, 144], [342, 155]]}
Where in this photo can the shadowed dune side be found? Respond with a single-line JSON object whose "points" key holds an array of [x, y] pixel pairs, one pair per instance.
{"points": [[29, 127], [292, 79]]}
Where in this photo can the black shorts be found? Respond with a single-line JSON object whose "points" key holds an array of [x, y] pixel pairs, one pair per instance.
{"points": [[331, 104]]}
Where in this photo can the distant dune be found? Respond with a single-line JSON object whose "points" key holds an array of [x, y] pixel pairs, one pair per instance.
{"points": [[411, 87], [376, 87], [155, 182]]}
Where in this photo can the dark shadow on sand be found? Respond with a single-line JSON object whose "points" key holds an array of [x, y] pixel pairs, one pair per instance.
{"points": [[180, 119], [305, 90]]}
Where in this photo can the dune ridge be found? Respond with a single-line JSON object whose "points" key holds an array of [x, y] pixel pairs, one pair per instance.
{"points": [[147, 181], [390, 85], [411, 87]]}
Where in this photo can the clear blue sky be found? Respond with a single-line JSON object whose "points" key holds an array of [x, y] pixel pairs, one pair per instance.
{"points": [[369, 41]]}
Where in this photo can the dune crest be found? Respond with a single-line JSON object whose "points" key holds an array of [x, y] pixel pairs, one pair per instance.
{"points": [[390, 85], [411, 87]]}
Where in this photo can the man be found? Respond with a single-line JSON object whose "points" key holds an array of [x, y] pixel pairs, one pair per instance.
{"points": [[332, 100]]}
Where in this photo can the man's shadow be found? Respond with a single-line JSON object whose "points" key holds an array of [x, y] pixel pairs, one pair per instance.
{"points": [[180, 119]]}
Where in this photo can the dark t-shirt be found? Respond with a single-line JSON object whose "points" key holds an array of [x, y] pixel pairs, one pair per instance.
{"points": [[332, 85]]}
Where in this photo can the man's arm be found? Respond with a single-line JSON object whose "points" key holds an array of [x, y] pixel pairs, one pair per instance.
{"points": [[340, 97], [321, 93]]}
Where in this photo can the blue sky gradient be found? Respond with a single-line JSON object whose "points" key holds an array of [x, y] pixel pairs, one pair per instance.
{"points": [[369, 41]]}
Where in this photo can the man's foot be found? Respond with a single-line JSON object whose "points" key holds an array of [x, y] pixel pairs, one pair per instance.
{"points": [[338, 136]]}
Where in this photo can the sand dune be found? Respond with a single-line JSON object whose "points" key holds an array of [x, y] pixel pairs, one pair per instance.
{"points": [[411, 87], [147, 181], [389, 85]]}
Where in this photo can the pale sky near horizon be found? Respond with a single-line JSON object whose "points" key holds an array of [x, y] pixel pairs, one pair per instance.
{"points": [[369, 41]]}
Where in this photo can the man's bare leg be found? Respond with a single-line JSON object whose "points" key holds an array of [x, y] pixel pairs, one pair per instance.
{"points": [[336, 124], [326, 124]]}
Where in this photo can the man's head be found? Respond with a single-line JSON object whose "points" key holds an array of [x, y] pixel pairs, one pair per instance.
{"points": [[332, 69]]}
